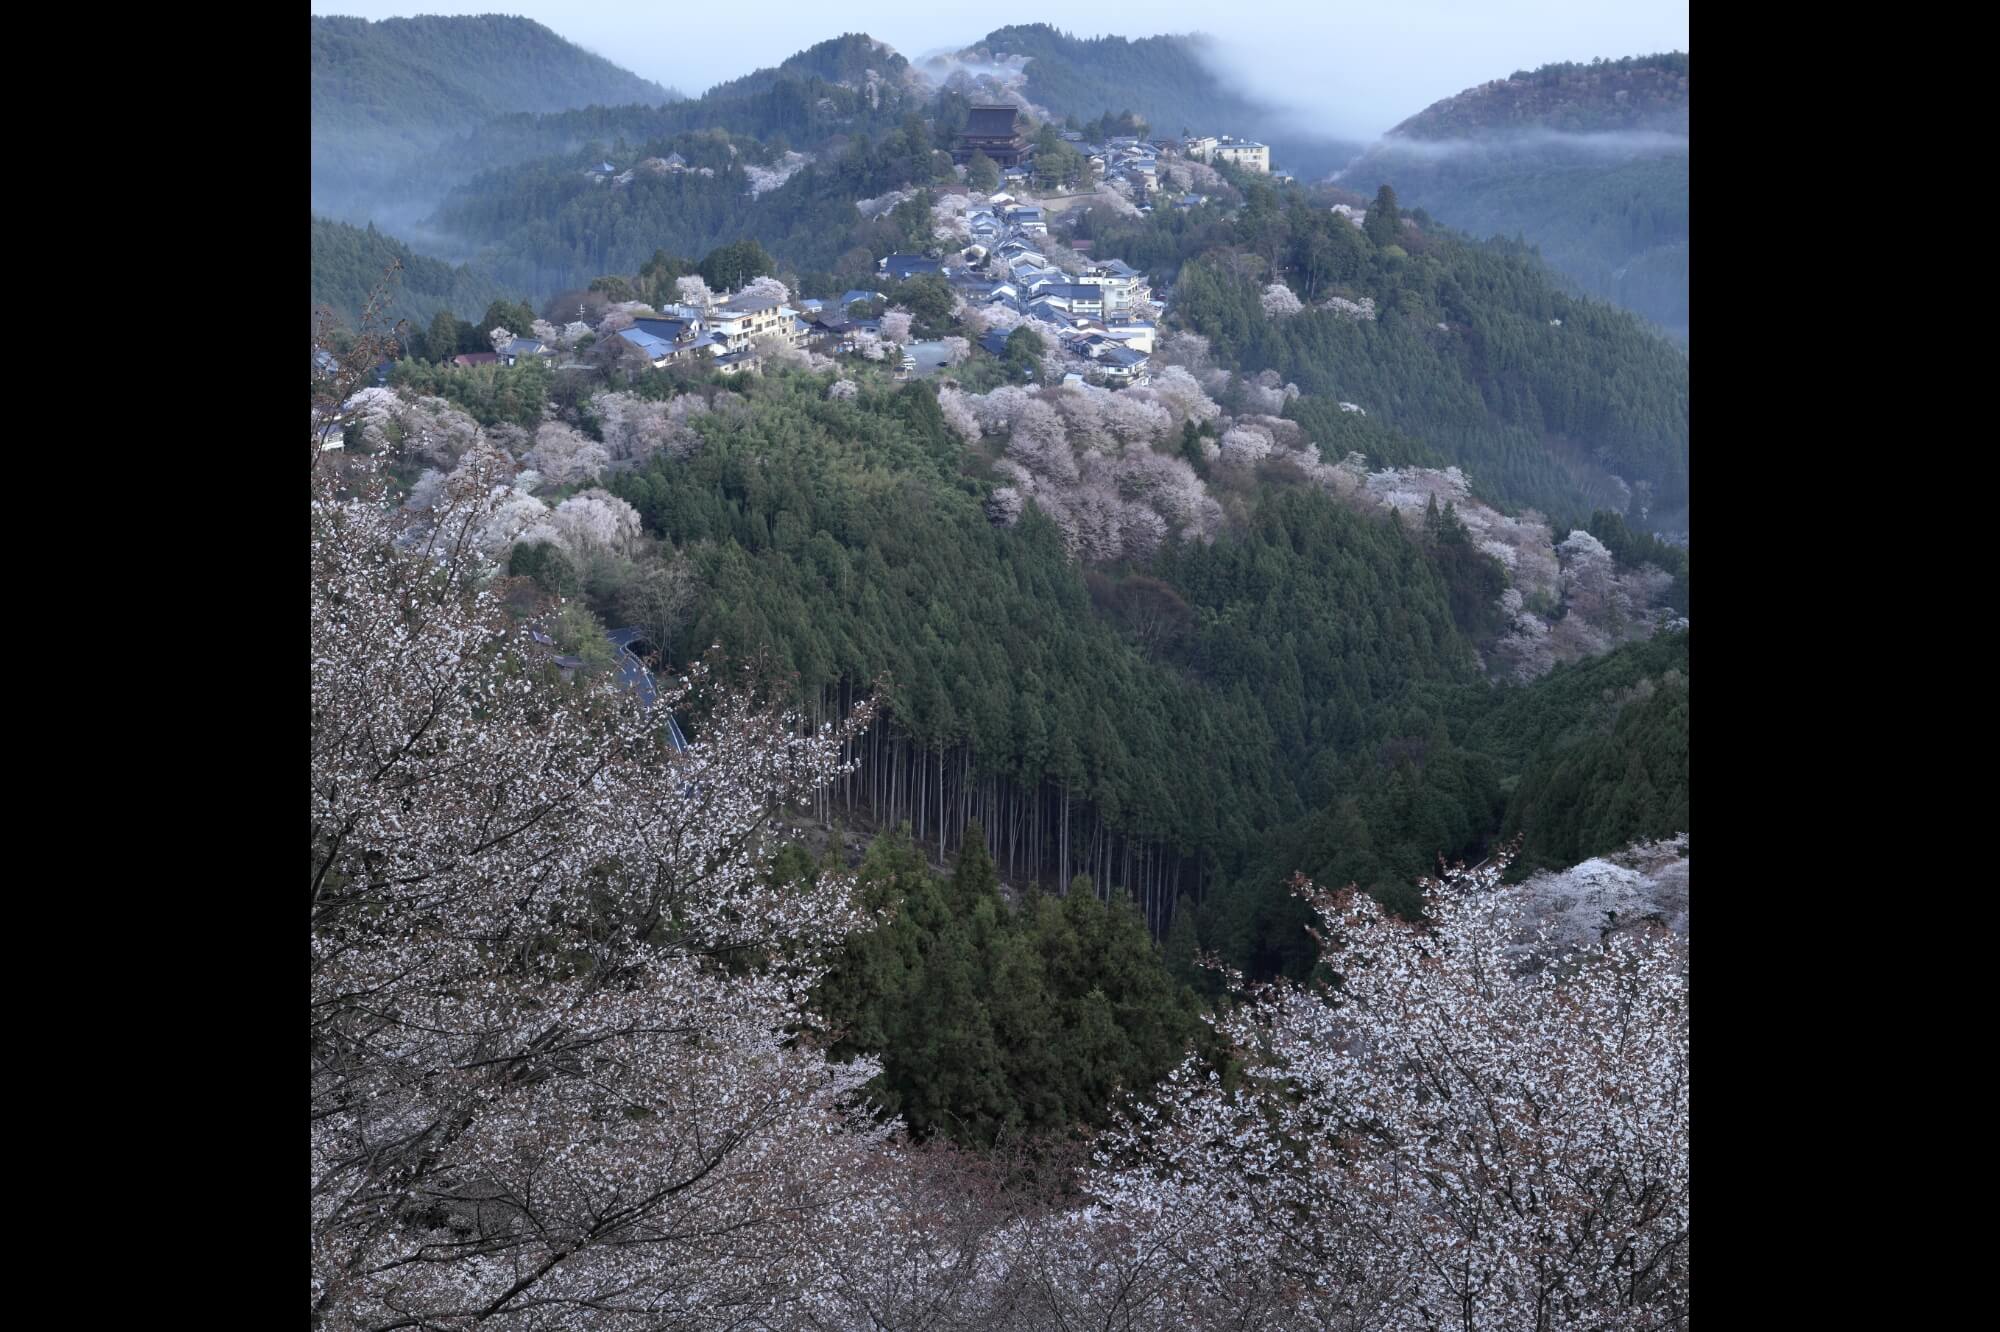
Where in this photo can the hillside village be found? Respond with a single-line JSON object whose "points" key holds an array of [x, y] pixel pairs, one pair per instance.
{"points": [[1096, 316]]}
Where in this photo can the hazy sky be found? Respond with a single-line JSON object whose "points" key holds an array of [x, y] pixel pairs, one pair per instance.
{"points": [[1353, 69]]}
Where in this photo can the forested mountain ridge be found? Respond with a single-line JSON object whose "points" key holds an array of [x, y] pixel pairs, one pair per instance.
{"points": [[385, 93], [1589, 163], [1162, 78], [852, 60], [1635, 93], [433, 72]]}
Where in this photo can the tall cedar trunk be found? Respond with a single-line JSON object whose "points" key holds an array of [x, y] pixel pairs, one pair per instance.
{"points": [[1062, 841], [1031, 826]]}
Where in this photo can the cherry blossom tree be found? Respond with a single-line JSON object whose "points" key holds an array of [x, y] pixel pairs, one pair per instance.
{"points": [[767, 287], [1082, 407], [1644, 884], [1135, 420], [596, 522], [776, 350], [422, 429], [1457, 1135], [635, 428], [1187, 350], [896, 327], [565, 456], [958, 414], [692, 290], [1181, 394], [1245, 446], [1279, 301], [563, 1073], [843, 390], [1038, 442], [1116, 197], [765, 179], [1361, 310], [499, 337], [1005, 505], [998, 409]]}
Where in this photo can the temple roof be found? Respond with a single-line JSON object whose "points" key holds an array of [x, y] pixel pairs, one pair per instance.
{"points": [[991, 122]]}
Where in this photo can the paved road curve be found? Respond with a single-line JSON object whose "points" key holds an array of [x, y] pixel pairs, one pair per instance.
{"points": [[632, 673]]}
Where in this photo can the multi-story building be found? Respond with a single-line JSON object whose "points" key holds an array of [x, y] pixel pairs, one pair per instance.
{"points": [[739, 322], [1124, 287], [995, 131], [1237, 152]]}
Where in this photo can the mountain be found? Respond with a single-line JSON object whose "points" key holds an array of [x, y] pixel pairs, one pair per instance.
{"points": [[1166, 80], [348, 261], [1637, 93], [852, 59], [385, 93], [1589, 163]]}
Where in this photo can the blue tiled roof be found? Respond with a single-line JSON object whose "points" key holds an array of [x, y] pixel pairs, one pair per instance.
{"points": [[661, 327], [901, 266], [650, 343]]}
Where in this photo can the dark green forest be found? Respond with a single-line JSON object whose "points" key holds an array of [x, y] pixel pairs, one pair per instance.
{"points": [[995, 1020], [1297, 695], [348, 263]]}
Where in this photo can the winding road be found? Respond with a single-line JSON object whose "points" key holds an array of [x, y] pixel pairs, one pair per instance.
{"points": [[632, 673]]}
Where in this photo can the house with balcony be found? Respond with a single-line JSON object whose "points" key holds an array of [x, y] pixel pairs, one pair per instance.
{"points": [[740, 321]]}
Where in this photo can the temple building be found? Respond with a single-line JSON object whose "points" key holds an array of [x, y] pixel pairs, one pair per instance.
{"points": [[992, 130]]}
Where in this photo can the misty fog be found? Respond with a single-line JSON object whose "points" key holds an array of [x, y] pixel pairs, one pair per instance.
{"points": [[1338, 69], [1597, 143]]}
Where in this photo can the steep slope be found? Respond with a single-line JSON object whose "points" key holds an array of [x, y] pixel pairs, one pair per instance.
{"points": [[1587, 162], [384, 93], [347, 262]]}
